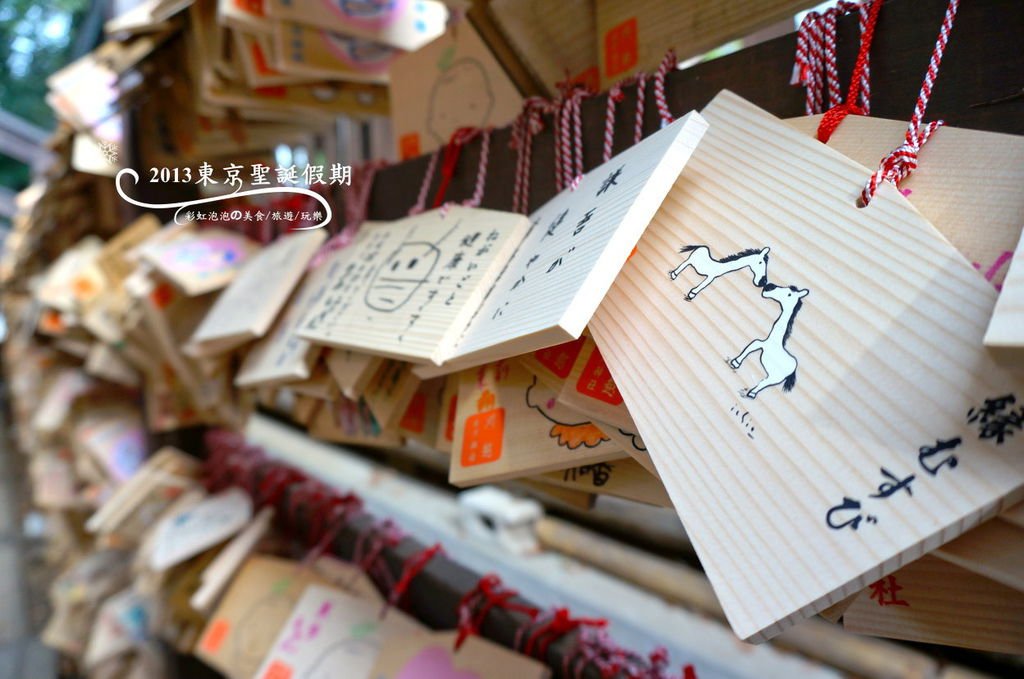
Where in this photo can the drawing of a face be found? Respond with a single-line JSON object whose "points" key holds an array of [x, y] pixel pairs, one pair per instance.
{"points": [[364, 56], [461, 97], [402, 274], [371, 14]]}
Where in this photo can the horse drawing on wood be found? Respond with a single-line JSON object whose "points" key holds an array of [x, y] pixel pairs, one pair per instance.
{"points": [[779, 365], [703, 263]]}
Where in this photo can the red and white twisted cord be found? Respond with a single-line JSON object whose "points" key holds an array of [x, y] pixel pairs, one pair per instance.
{"points": [[481, 171], [638, 121], [667, 64], [815, 63], [428, 178], [614, 97], [902, 161], [525, 127]]}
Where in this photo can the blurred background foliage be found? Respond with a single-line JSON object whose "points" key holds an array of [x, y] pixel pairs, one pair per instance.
{"points": [[37, 37]]}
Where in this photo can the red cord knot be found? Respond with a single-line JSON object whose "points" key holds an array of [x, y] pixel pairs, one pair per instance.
{"points": [[834, 117], [413, 566], [476, 605], [900, 162]]}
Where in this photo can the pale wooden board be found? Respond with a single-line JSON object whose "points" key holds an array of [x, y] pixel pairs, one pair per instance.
{"points": [[422, 417], [248, 307], [311, 100], [555, 40], [835, 612], [319, 384], [1006, 328], [631, 443], [945, 605], [390, 391], [591, 390], [508, 424], [577, 243], [1014, 515], [573, 498], [113, 259], [254, 56], [305, 408], [328, 55], [446, 417], [169, 318], [405, 26], [346, 421], [201, 262], [995, 550], [553, 365], [452, 82], [692, 28], [248, 618], [410, 287], [105, 362], [283, 356], [243, 16], [624, 478], [351, 634], [969, 184], [351, 370], [890, 361]]}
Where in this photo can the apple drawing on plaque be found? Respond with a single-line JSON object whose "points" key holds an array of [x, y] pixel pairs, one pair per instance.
{"points": [[461, 97], [404, 272]]}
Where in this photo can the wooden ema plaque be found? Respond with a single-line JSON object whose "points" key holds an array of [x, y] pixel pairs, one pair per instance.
{"points": [[1005, 334], [509, 424], [574, 249], [969, 184], [590, 389], [409, 288], [935, 602], [876, 427], [249, 305]]}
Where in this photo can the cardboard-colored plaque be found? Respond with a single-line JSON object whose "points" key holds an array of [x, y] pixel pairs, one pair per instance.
{"points": [[455, 81], [509, 424]]}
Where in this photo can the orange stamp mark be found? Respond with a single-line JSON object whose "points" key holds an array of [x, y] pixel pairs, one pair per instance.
{"points": [[589, 79], [250, 6], [415, 417], [216, 635], [621, 48], [483, 433], [449, 426], [51, 321], [409, 145], [272, 91], [596, 381], [278, 670], [560, 359], [162, 295]]}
